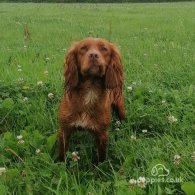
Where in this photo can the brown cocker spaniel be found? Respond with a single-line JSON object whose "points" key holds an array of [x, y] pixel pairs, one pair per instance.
{"points": [[93, 85]]}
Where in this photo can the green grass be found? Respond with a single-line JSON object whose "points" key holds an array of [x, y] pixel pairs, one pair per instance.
{"points": [[157, 43]]}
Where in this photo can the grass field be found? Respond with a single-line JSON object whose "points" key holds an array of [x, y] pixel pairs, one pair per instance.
{"points": [[157, 43]]}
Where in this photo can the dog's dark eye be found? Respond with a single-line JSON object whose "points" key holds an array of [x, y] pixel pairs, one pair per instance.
{"points": [[104, 49], [83, 48]]}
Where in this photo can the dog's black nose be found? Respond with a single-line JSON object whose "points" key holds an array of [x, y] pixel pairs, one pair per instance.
{"points": [[93, 56]]}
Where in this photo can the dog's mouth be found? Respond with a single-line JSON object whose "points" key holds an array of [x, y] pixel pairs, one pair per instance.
{"points": [[93, 68]]}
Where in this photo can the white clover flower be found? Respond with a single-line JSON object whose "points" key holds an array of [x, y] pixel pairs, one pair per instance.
{"points": [[193, 156], [132, 182], [64, 49], [177, 159], [130, 88], [25, 99], [40, 83], [19, 137], [118, 123], [134, 83], [144, 130], [19, 66], [21, 141], [141, 182], [172, 119], [25, 46], [37, 151], [51, 95], [46, 72], [163, 101], [117, 129], [19, 70], [47, 59], [75, 156], [21, 80], [2, 170], [133, 138]]}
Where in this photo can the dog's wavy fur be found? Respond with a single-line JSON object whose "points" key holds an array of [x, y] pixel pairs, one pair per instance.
{"points": [[93, 85]]}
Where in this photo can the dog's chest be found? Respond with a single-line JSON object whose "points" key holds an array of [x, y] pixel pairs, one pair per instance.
{"points": [[85, 118], [90, 97]]}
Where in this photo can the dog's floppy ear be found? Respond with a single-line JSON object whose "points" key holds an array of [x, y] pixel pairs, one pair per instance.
{"points": [[114, 72], [71, 69]]}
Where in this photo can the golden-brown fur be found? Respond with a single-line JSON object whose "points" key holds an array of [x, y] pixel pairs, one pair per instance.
{"points": [[93, 84]]}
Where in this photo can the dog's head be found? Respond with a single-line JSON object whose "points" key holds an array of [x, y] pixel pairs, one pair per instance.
{"points": [[93, 58]]}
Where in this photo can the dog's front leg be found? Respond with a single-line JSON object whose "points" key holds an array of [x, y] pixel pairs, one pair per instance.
{"points": [[63, 141], [102, 140]]}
